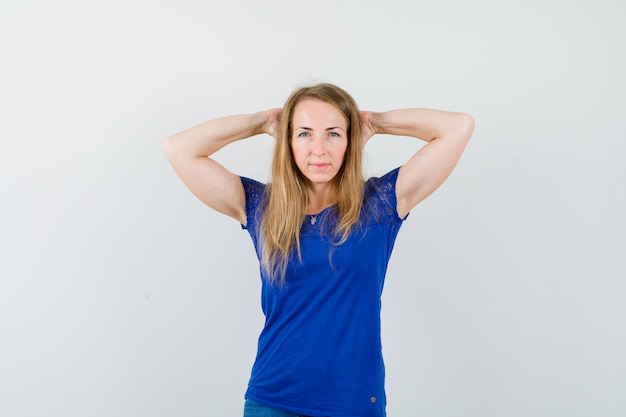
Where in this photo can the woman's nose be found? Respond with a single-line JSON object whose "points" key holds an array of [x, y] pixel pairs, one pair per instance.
{"points": [[318, 146]]}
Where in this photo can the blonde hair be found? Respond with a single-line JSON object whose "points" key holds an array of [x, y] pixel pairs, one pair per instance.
{"points": [[286, 198]]}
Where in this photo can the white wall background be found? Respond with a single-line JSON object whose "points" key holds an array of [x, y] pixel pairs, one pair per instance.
{"points": [[122, 295]]}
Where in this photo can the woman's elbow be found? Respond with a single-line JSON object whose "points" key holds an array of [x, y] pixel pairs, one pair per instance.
{"points": [[169, 148], [466, 124]]}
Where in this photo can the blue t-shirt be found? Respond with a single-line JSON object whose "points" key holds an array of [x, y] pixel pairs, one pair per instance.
{"points": [[319, 353]]}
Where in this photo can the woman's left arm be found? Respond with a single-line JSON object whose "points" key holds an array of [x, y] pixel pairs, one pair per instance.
{"points": [[447, 133]]}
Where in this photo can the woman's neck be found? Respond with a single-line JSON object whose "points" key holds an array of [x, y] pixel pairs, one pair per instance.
{"points": [[320, 197]]}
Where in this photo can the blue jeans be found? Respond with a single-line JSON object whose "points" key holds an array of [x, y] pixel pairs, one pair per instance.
{"points": [[254, 409]]}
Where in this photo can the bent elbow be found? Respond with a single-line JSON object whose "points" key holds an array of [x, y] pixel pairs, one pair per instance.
{"points": [[467, 124], [169, 148], [468, 121]]}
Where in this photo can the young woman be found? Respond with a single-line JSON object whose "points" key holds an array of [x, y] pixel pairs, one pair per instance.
{"points": [[323, 236]]}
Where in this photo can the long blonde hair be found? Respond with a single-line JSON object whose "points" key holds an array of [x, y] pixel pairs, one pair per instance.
{"points": [[286, 199]]}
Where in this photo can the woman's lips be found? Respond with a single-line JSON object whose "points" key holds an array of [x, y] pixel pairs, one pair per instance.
{"points": [[319, 166]]}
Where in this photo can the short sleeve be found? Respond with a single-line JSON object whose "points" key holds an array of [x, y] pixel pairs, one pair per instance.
{"points": [[254, 192], [380, 196]]}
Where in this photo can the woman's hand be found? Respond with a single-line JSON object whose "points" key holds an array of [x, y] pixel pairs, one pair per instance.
{"points": [[273, 120], [368, 128]]}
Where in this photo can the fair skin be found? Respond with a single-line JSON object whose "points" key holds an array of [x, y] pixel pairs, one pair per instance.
{"points": [[319, 142], [447, 134], [316, 152]]}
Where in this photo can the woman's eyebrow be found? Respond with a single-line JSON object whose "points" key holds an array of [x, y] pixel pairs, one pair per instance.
{"points": [[310, 128]]}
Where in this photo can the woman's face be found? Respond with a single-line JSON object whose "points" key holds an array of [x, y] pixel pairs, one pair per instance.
{"points": [[319, 140]]}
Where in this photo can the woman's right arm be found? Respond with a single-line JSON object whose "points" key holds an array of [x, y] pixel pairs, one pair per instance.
{"points": [[189, 154]]}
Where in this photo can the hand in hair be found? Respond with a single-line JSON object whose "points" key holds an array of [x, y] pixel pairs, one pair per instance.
{"points": [[273, 119], [367, 127]]}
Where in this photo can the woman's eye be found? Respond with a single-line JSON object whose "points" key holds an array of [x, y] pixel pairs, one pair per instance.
{"points": [[303, 135], [334, 134]]}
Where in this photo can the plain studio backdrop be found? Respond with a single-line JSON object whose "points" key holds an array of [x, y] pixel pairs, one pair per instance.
{"points": [[123, 295]]}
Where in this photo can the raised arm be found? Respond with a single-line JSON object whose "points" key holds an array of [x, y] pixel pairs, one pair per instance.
{"points": [[447, 133], [189, 154]]}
